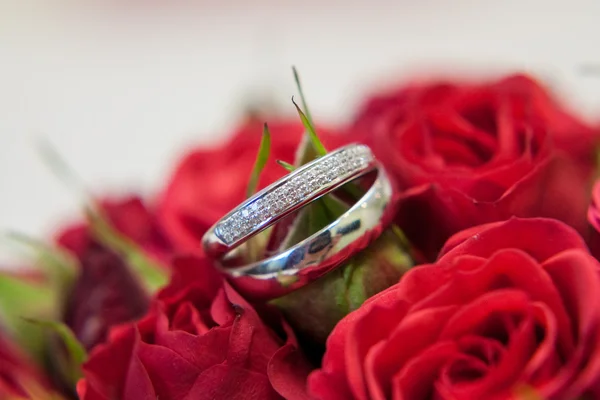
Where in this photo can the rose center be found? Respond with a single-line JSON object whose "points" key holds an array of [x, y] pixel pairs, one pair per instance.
{"points": [[477, 355]]}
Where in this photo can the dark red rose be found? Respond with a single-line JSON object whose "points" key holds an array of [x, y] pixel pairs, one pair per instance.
{"points": [[106, 293], [510, 308], [208, 183], [477, 153], [200, 340], [18, 376]]}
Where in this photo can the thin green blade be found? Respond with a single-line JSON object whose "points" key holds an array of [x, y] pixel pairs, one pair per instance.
{"points": [[261, 160]]}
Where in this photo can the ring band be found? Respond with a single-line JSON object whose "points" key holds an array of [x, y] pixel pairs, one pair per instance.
{"points": [[285, 196], [321, 252], [316, 255]]}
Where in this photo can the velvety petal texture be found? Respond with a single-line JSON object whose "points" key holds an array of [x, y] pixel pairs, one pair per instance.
{"points": [[474, 153], [510, 308], [201, 340]]}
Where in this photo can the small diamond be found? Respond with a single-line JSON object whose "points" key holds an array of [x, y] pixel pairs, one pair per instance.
{"points": [[253, 208], [330, 169]]}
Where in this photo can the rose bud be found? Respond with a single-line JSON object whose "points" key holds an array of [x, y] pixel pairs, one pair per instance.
{"points": [[105, 293], [113, 264], [510, 310], [208, 183], [107, 290], [199, 340], [474, 153], [315, 309]]}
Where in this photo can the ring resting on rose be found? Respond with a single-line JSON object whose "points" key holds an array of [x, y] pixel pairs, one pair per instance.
{"points": [[322, 251]]}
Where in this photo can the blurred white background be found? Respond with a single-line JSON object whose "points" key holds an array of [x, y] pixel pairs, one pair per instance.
{"points": [[121, 87]]}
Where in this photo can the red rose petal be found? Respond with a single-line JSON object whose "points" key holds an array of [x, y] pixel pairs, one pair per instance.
{"points": [[85, 392], [547, 359], [195, 275], [198, 350], [576, 276], [362, 337], [416, 378], [109, 363], [138, 385], [420, 329], [225, 382], [329, 386], [187, 318], [460, 372], [288, 372], [541, 238], [171, 375], [530, 278]]}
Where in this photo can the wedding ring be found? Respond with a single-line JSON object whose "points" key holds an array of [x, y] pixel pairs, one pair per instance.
{"points": [[322, 251]]}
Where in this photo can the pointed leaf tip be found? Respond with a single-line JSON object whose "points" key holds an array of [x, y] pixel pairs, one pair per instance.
{"points": [[314, 139], [301, 92], [74, 348], [59, 166], [262, 157], [287, 166]]}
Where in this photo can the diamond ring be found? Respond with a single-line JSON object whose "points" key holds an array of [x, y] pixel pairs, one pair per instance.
{"points": [[320, 252]]}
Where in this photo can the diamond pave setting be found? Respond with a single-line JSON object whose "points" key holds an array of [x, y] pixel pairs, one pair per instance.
{"points": [[294, 189]]}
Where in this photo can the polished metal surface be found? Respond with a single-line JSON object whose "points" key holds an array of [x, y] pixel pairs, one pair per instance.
{"points": [[286, 196], [321, 252], [306, 261]]}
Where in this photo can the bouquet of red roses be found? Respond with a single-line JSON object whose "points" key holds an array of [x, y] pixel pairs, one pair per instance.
{"points": [[442, 244]]}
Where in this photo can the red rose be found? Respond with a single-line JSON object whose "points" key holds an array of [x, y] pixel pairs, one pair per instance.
{"points": [[510, 308], [208, 183], [105, 293], [201, 340], [474, 154]]}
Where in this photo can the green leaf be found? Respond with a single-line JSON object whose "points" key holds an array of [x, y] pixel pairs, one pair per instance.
{"points": [[153, 275], [61, 168], [301, 92], [261, 160], [289, 167], [310, 130], [59, 267], [21, 298], [75, 353], [40, 297]]}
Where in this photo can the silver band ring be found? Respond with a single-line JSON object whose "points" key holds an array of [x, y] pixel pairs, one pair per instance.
{"points": [[319, 253]]}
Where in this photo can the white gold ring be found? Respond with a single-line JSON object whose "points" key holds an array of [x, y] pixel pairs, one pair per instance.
{"points": [[316, 255]]}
